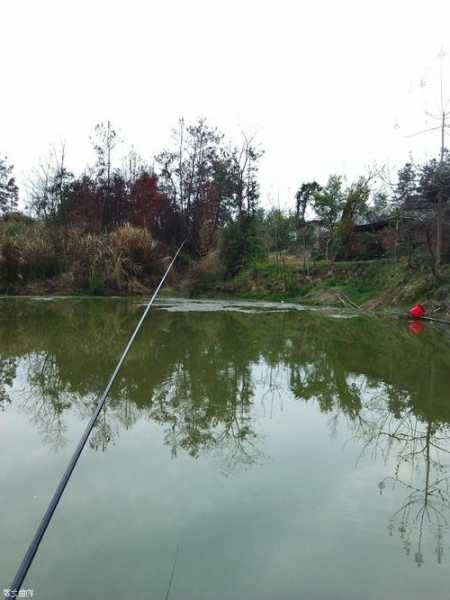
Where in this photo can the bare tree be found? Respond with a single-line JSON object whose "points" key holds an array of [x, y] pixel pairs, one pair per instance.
{"points": [[9, 192], [441, 117], [47, 184], [134, 165], [104, 140], [244, 166]]}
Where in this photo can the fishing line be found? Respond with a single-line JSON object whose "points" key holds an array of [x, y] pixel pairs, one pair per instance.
{"points": [[33, 548], [172, 574]]}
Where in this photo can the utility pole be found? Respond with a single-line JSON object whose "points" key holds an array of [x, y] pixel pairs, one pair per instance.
{"points": [[442, 117], [441, 169]]}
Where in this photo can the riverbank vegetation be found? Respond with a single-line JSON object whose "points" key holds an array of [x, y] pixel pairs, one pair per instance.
{"points": [[111, 228]]}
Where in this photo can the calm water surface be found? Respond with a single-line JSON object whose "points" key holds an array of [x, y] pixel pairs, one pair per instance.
{"points": [[274, 452]]}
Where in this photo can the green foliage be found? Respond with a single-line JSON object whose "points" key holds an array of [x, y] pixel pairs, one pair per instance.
{"points": [[434, 178], [355, 209], [381, 206], [241, 243], [277, 228], [208, 181], [263, 279], [305, 197], [355, 205], [423, 182], [406, 187], [329, 202]]}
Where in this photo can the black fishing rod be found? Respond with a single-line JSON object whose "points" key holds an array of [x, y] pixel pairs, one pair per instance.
{"points": [[33, 548]]}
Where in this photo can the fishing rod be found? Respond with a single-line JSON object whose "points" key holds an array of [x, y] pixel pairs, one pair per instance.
{"points": [[33, 547]]}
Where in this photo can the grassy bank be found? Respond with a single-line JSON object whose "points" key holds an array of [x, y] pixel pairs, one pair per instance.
{"points": [[374, 284], [37, 259]]}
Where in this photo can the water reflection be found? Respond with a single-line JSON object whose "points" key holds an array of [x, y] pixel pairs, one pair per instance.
{"points": [[420, 447], [208, 379]]}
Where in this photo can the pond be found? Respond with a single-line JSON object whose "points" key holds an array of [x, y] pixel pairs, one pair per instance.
{"points": [[248, 450]]}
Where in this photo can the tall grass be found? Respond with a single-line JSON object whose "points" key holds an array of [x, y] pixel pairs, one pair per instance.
{"points": [[125, 258], [28, 252]]}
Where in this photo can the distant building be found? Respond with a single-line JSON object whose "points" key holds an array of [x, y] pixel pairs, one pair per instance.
{"points": [[376, 238]]}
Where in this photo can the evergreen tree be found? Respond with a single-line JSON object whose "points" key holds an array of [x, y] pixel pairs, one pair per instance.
{"points": [[407, 184]]}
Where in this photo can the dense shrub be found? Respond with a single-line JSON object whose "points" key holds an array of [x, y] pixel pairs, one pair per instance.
{"points": [[39, 257], [241, 244], [110, 261], [27, 252], [136, 249], [207, 272], [92, 263], [9, 260], [122, 260]]}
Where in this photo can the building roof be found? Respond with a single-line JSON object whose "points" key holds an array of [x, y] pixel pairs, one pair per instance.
{"points": [[374, 226]]}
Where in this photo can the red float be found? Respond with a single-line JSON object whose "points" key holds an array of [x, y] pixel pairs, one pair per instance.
{"points": [[416, 311], [416, 327]]}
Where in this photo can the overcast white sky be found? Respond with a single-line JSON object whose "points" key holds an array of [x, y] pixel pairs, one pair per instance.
{"points": [[322, 83]]}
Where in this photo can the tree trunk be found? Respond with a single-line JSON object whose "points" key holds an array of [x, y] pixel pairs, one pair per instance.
{"points": [[438, 230]]}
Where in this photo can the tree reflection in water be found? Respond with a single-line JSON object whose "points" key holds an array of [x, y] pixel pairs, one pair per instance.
{"points": [[420, 448], [203, 377], [7, 377]]}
